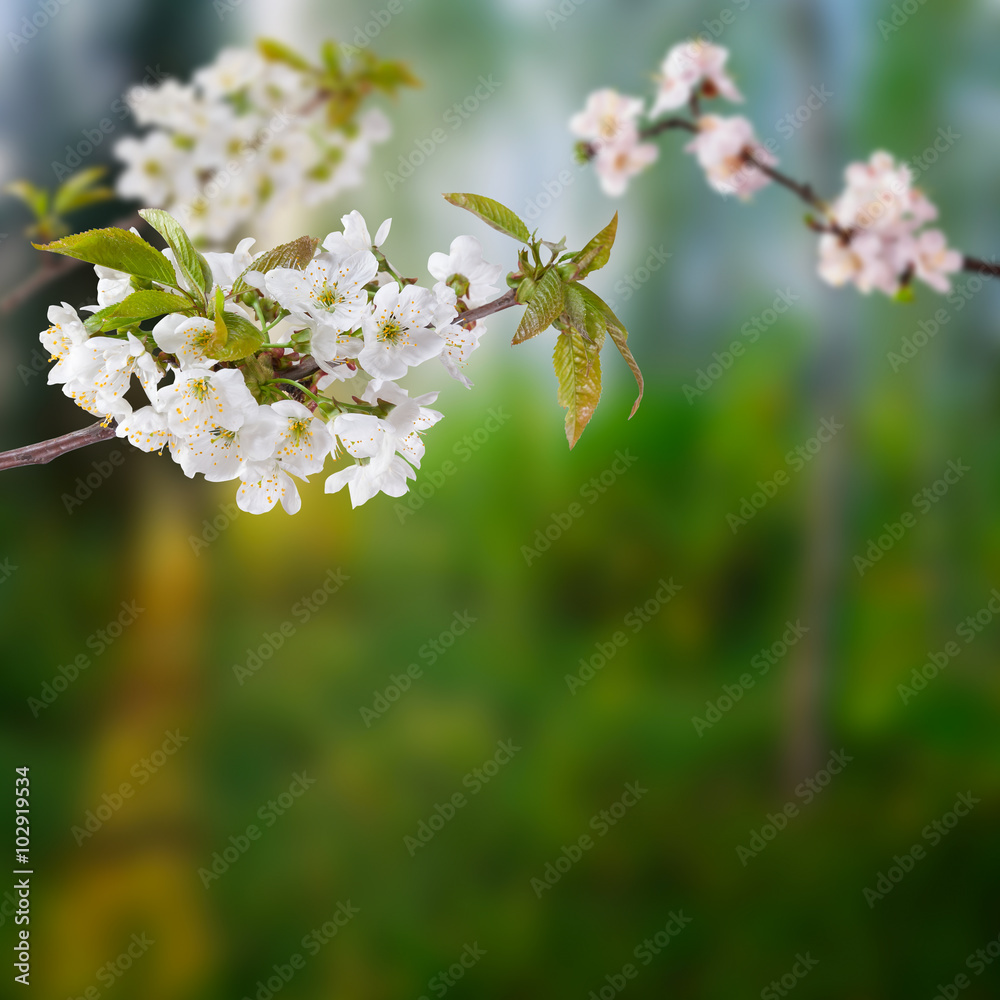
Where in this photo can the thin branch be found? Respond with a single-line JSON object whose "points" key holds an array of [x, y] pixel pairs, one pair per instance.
{"points": [[50, 270], [45, 451], [981, 267]]}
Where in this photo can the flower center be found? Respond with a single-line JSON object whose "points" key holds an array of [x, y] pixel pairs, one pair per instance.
{"points": [[391, 330], [330, 298]]}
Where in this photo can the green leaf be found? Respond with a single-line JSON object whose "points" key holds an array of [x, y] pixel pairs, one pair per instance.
{"points": [[619, 335], [492, 213], [597, 252], [136, 308], [390, 76], [243, 338], [543, 308], [577, 366], [276, 51], [295, 254], [331, 59], [78, 190], [35, 198], [117, 248], [583, 316], [191, 264]]}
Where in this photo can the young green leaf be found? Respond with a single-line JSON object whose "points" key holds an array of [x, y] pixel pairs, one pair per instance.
{"points": [[295, 254], [275, 51], [136, 308], [597, 252], [619, 335], [243, 338], [578, 368], [78, 191], [543, 308], [117, 248], [189, 261], [36, 198], [492, 213]]}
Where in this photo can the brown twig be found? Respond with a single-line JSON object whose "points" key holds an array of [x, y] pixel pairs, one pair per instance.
{"points": [[52, 269], [45, 451]]}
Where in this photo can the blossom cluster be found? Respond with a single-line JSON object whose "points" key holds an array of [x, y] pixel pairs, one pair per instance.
{"points": [[691, 71], [247, 135], [878, 240], [338, 323], [874, 234]]}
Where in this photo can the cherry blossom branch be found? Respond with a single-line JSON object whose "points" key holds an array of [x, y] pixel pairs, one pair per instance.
{"points": [[46, 451], [804, 192]]}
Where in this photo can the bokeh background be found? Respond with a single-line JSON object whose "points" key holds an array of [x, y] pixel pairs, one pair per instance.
{"points": [[208, 606]]}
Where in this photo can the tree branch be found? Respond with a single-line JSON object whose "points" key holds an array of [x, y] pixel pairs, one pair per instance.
{"points": [[50, 270], [46, 451]]}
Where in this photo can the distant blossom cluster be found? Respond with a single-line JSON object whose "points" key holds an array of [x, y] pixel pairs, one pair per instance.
{"points": [[344, 309], [247, 135], [873, 234]]}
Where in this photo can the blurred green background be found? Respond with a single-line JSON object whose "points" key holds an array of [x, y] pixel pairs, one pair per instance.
{"points": [[468, 891]]}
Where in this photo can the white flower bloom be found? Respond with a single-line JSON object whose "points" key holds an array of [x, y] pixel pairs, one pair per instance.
{"points": [[406, 420], [720, 146], [232, 70], [378, 469], [355, 236], [616, 165], [200, 399], [933, 260], [151, 166], [112, 288], [303, 441], [65, 332], [688, 66], [464, 266], [262, 485], [187, 338], [396, 333], [608, 119], [329, 296], [146, 429], [219, 453], [121, 359], [227, 267]]}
